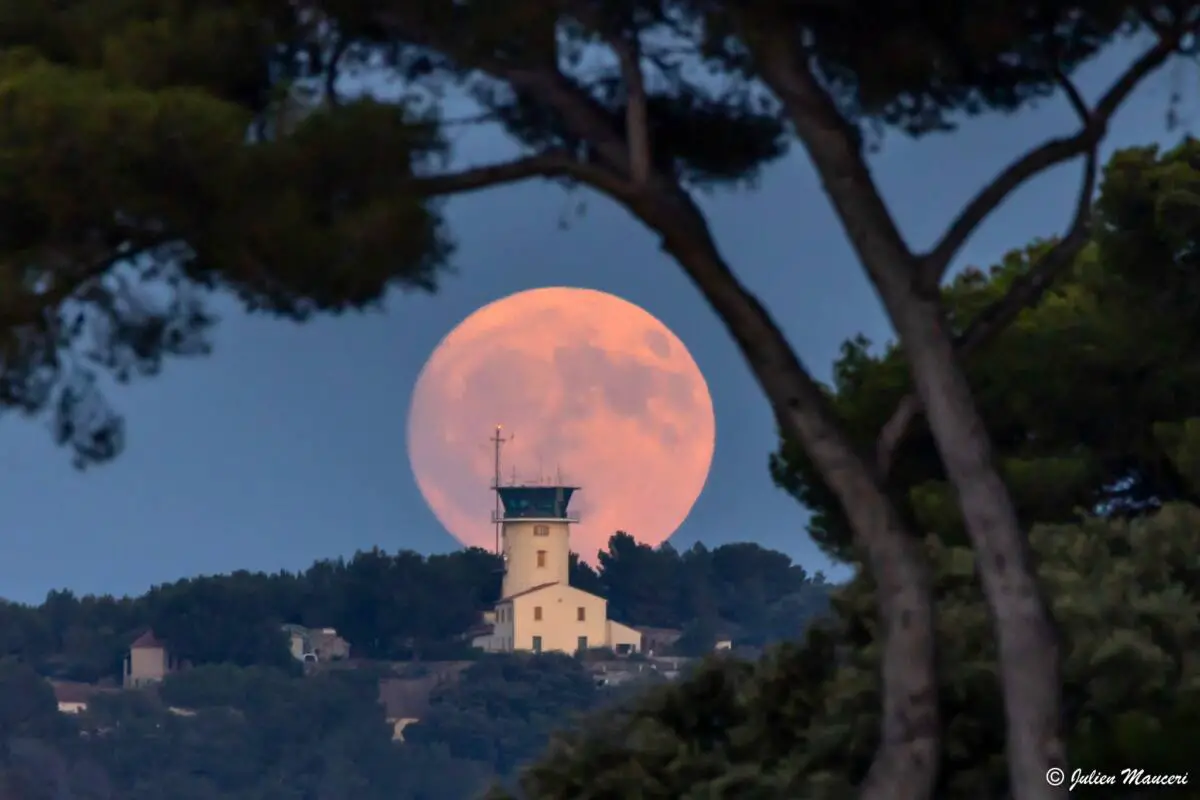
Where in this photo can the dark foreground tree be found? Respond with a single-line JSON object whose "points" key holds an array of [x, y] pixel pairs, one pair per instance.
{"points": [[803, 722], [125, 135], [1091, 397]]}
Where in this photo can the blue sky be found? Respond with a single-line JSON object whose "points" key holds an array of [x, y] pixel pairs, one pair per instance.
{"points": [[288, 444]]}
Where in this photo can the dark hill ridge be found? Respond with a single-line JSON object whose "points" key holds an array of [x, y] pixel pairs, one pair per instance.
{"points": [[404, 606], [405, 710]]}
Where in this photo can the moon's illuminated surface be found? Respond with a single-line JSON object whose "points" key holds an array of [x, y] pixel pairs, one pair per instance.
{"points": [[582, 381]]}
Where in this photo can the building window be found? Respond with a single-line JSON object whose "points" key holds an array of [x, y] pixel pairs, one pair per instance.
{"points": [[582, 644], [537, 644], [541, 530], [541, 555], [537, 613], [581, 614]]}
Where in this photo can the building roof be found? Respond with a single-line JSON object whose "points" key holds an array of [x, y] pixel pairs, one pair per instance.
{"points": [[147, 641], [482, 629], [657, 633], [530, 590], [73, 692]]}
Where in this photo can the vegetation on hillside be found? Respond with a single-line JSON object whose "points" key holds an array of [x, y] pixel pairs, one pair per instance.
{"points": [[1092, 397], [803, 721], [800, 723], [251, 733], [257, 728], [403, 606]]}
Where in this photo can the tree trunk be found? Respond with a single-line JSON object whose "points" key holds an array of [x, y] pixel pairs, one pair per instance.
{"points": [[1028, 639], [1025, 632], [906, 764]]}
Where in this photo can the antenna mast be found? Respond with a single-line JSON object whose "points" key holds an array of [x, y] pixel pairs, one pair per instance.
{"points": [[498, 440]]}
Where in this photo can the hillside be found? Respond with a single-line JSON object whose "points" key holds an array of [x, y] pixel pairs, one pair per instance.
{"points": [[410, 712]]}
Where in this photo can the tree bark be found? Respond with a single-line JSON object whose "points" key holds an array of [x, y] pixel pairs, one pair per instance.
{"points": [[906, 764], [1027, 637]]}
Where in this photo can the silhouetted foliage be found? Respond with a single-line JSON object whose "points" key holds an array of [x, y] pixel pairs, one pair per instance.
{"points": [[248, 733], [400, 606], [199, 147], [803, 721], [252, 721], [1091, 397], [503, 709]]}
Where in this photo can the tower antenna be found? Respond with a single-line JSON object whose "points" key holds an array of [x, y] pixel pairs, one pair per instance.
{"points": [[498, 440]]}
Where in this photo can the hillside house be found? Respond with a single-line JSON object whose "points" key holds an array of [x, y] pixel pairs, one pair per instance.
{"points": [[73, 697], [148, 662], [316, 644]]}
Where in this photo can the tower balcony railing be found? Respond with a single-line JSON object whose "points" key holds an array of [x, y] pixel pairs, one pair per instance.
{"points": [[529, 516]]}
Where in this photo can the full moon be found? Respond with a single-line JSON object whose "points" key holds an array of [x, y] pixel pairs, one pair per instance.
{"points": [[588, 388]]}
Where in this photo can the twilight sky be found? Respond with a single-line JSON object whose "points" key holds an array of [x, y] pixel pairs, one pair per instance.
{"points": [[288, 444]]}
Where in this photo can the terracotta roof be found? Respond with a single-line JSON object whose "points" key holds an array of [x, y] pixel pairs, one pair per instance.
{"points": [[530, 590], [147, 641]]}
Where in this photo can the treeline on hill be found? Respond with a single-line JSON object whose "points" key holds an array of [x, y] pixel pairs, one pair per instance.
{"points": [[405, 605], [803, 722], [256, 728], [253, 733]]}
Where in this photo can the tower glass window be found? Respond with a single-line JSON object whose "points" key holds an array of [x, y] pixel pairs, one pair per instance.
{"points": [[536, 502], [541, 530], [541, 558], [581, 614], [537, 613]]}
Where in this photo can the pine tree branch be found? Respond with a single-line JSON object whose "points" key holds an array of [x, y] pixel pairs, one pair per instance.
{"points": [[34, 308], [936, 263], [1025, 292], [548, 165], [637, 130]]}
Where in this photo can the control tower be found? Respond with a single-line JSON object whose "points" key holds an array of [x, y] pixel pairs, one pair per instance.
{"points": [[535, 535]]}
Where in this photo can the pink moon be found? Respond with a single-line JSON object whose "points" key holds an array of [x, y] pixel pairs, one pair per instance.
{"points": [[588, 388]]}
